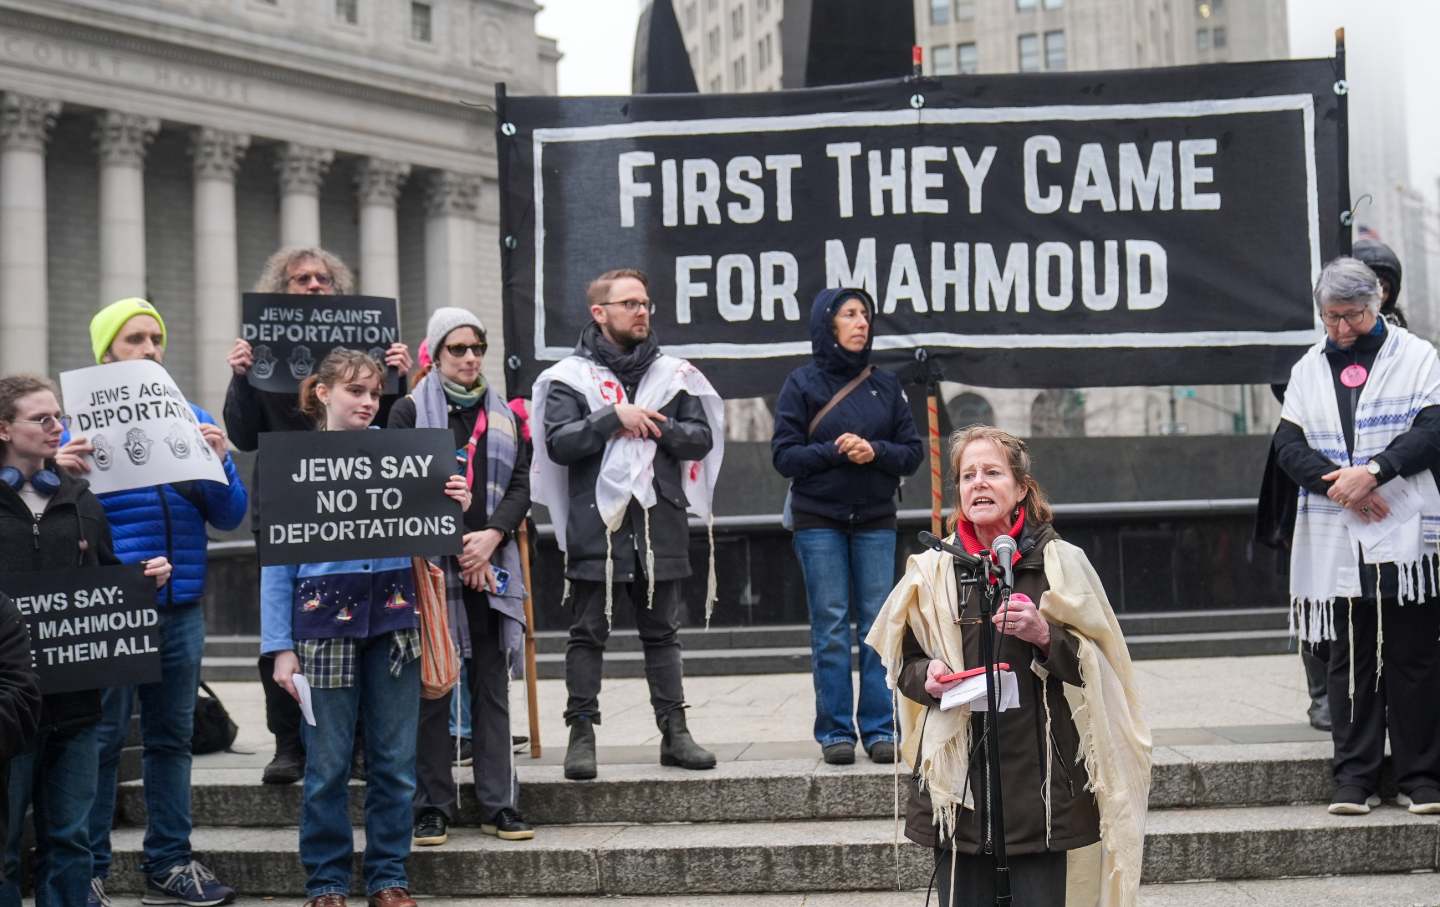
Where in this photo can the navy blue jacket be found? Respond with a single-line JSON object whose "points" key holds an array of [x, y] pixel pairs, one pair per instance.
{"points": [[823, 481]]}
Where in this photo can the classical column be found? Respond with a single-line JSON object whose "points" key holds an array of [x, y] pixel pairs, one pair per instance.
{"points": [[451, 204], [378, 182], [121, 139], [216, 154], [25, 124], [301, 169]]}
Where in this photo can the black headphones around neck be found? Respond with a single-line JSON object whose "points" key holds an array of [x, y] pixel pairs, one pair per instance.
{"points": [[46, 481]]}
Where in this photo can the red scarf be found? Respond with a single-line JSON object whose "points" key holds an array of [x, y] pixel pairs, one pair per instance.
{"points": [[966, 531]]}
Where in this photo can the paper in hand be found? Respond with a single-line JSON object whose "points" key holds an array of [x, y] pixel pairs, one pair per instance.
{"points": [[1404, 503], [972, 692], [307, 706]]}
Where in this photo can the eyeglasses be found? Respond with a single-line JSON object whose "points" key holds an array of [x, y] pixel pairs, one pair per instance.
{"points": [[633, 306], [1354, 319], [458, 350], [48, 422], [305, 280]]}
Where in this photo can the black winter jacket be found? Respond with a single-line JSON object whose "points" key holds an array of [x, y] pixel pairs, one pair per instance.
{"points": [[73, 532], [576, 437], [19, 699], [823, 481]]}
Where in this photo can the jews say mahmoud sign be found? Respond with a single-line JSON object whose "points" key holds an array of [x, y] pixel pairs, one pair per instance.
{"points": [[143, 430]]}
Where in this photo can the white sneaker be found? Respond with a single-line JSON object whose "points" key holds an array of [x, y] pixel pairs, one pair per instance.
{"points": [[1429, 804]]}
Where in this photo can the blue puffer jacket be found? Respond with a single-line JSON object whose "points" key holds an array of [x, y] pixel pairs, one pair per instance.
{"points": [[823, 481], [170, 520]]}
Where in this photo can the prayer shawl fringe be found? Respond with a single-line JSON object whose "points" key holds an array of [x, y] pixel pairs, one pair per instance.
{"points": [[1324, 556], [627, 468], [1114, 738]]}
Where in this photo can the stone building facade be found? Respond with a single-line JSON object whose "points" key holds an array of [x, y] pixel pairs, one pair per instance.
{"points": [[164, 148]]}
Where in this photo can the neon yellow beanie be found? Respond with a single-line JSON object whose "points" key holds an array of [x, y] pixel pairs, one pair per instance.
{"points": [[109, 320]]}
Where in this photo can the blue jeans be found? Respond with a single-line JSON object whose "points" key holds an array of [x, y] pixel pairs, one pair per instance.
{"points": [[167, 719], [391, 706], [460, 715], [847, 577], [57, 777]]}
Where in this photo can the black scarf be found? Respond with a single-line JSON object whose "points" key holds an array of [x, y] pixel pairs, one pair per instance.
{"points": [[628, 365]]}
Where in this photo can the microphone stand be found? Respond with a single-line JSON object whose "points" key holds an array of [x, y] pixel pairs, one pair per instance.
{"points": [[970, 570]]}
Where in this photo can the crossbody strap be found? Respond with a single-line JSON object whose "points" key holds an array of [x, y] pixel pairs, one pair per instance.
{"points": [[840, 395]]}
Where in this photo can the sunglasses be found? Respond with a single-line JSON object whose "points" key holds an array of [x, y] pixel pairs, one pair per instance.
{"points": [[458, 350]]}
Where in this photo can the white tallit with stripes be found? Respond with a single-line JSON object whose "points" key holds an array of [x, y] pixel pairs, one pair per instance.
{"points": [[1324, 556]]}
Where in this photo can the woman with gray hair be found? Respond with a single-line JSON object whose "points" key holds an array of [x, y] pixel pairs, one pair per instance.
{"points": [[1360, 435]]}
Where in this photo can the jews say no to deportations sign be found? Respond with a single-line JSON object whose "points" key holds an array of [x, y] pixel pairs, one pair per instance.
{"points": [[291, 334], [143, 431], [349, 495], [89, 626], [1155, 226]]}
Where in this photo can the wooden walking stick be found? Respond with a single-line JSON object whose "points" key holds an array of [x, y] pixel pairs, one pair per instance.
{"points": [[532, 696]]}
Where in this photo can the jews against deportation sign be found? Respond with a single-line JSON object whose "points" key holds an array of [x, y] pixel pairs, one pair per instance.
{"points": [[143, 431], [1158, 226], [348, 495], [89, 626], [292, 334]]}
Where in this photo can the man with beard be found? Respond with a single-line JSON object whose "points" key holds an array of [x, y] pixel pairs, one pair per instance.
{"points": [[626, 440]]}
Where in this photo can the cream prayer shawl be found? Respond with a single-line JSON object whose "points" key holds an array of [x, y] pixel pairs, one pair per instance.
{"points": [[1115, 740]]}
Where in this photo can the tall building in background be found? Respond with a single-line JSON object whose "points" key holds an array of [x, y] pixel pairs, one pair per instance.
{"points": [[735, 45], [164, 148]]}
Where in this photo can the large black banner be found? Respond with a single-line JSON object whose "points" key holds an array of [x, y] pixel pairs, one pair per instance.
{"points": [[348, 495], [90, 627], [1139, 227]]}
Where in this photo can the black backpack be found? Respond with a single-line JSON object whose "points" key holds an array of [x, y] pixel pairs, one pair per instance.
{"points": [[214, 730]]}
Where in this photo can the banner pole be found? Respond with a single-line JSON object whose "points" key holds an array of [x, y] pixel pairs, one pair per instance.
{"points": [[532, 696], [1342, 90], [937, 481]]}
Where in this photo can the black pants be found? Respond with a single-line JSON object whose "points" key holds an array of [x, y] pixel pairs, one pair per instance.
{"points": [[1404, 703], [487, 673], [1036, 880], [659, 627], [282, 714]]}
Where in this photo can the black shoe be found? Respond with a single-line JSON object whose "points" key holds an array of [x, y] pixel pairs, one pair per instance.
{"points": [[842, 752], [882, 752], [466, 751], [508, 825], [677, 747], [1319, 713], [1423, 801], [1352, 800], [431, 829], [287, 767], [580, 754], [518, 745]]}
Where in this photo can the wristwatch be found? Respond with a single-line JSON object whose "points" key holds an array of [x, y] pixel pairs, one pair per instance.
{"points": [[1374, 467]]}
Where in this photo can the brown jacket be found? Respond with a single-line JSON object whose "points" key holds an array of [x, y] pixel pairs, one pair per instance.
{"points": [[1074, 818]]}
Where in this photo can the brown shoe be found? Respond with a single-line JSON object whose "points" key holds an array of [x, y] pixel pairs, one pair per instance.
{"points": [[392, 897], [327, 900]]}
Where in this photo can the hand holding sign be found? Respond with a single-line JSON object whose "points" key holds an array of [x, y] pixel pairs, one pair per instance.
{"points": [[285, 336]]}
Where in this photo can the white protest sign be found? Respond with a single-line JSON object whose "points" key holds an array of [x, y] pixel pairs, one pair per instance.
{"points": [[143, 431]]}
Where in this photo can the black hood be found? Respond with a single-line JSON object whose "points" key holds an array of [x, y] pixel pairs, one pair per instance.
{"points": [[830, 356], [1384, 262]]}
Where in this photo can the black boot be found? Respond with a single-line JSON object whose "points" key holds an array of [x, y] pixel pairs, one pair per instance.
{"points": [[580, 754], [288, 766], [677, 747], [1316, 669]]}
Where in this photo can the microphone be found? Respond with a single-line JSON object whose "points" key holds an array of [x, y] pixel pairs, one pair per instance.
{"points": [[1004, 548], [935, 543]]}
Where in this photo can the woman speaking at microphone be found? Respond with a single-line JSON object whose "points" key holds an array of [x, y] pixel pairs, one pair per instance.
{"points": [[1059, 769]]}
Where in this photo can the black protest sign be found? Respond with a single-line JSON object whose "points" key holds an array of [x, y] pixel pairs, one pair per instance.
{"points": [[291, 334], [350, 495], [90, 627], [1157, 226]]}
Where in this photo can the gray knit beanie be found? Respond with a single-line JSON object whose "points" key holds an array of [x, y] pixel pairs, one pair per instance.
{"points": [[446, 320]]}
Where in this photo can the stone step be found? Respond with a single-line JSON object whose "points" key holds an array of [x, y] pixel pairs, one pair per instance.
{"points": [[769, 790], [844, 854], [789, 636], [623, 661], [1394, 890]]}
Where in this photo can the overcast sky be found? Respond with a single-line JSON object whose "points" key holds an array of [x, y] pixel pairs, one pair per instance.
{"points": [[597, 38]]}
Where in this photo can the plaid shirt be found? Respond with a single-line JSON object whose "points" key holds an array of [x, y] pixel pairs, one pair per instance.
{"points": [[330, 663]]}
